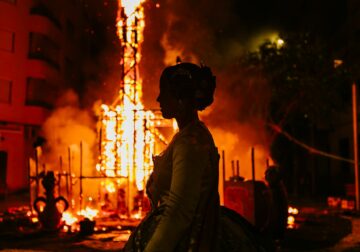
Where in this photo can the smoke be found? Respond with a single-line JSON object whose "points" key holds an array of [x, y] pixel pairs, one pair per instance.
{"points": [[198, 31], [65, 130], [188, 29], [68, 131], [237, 120], [172, 52]]}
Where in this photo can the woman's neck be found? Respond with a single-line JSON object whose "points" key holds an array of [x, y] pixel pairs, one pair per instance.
{"points": [[187, 119]]}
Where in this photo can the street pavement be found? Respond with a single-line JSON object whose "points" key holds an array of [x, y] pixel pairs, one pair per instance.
{"points": [[320, 229], [347, 243]]}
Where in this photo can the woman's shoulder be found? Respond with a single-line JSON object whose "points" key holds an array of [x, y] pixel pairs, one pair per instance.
{"points": [[196, 133]]}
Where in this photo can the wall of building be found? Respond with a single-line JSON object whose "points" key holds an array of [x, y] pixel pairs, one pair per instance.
{"points": [[41, 43]]}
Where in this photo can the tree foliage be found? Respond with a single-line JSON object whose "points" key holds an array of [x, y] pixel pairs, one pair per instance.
{"points": [[304, 81]]}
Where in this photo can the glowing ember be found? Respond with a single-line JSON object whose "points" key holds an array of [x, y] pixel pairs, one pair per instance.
{"points": [[292, 211], [110, 186], [291, 222], [138, 215], [88, 213], [66, 228], [69, 219]]}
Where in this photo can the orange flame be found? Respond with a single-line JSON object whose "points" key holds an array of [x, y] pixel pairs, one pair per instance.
{"points": [[128, 132], [89, 213], [69, 219], [292, 212], [130, 5], [291, 221]]}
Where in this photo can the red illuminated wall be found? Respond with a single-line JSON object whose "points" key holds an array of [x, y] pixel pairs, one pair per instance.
{"points": [[35, 48]]}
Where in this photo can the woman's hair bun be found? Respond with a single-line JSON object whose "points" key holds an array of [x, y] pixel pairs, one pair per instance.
{"points": [[206, 84]]}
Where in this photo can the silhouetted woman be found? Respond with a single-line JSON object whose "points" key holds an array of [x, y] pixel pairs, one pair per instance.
{"points": [[183, 188]]}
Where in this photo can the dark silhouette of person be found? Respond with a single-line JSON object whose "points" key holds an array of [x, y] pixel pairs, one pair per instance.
{"points": [[279, 206], [121, 202], [183, 187]]}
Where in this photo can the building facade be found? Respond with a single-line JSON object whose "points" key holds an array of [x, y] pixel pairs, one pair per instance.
{"points": [[42, 48]]}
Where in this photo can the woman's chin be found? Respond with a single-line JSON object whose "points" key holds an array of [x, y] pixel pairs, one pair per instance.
{"points": [[166, 115]]}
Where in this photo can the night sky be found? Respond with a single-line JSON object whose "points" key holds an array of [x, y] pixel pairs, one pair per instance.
{"points": [[215, 32]]}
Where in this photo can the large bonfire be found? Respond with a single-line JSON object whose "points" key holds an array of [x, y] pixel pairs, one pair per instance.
{"points": [[128, 133]]}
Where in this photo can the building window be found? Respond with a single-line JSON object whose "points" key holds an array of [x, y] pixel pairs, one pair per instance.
{"points": [[43, 48], [7, 39], [5, 91], [39, 93], [9, 1], [41, 9]]}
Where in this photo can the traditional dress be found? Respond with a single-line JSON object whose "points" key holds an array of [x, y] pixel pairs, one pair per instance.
{"points": [[184, 191]]}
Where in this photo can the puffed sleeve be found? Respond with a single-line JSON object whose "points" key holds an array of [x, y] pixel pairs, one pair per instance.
{"points": [[189, 161]]}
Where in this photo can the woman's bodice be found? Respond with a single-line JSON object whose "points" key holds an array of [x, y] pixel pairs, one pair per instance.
{"points": [[193, 135], [185, 177]]}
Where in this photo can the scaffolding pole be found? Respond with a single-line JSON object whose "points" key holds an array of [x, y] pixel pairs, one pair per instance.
{"points": [[356, 158]]}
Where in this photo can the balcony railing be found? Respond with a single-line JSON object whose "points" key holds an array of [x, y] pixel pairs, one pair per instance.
{"points": [[42, 10]]}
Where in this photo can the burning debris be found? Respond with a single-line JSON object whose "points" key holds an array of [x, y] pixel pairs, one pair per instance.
{"points": [[128, 136], [292, 213]]}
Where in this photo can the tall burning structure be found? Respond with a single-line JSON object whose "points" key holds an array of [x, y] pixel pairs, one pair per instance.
{"points": [[128, 134], [128, 137]]}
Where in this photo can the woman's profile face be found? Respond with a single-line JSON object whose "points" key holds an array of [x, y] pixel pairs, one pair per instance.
{"points": [[168, 103]]}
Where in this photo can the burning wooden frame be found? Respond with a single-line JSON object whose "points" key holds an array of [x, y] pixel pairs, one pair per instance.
{"points": [[128, 137]]}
